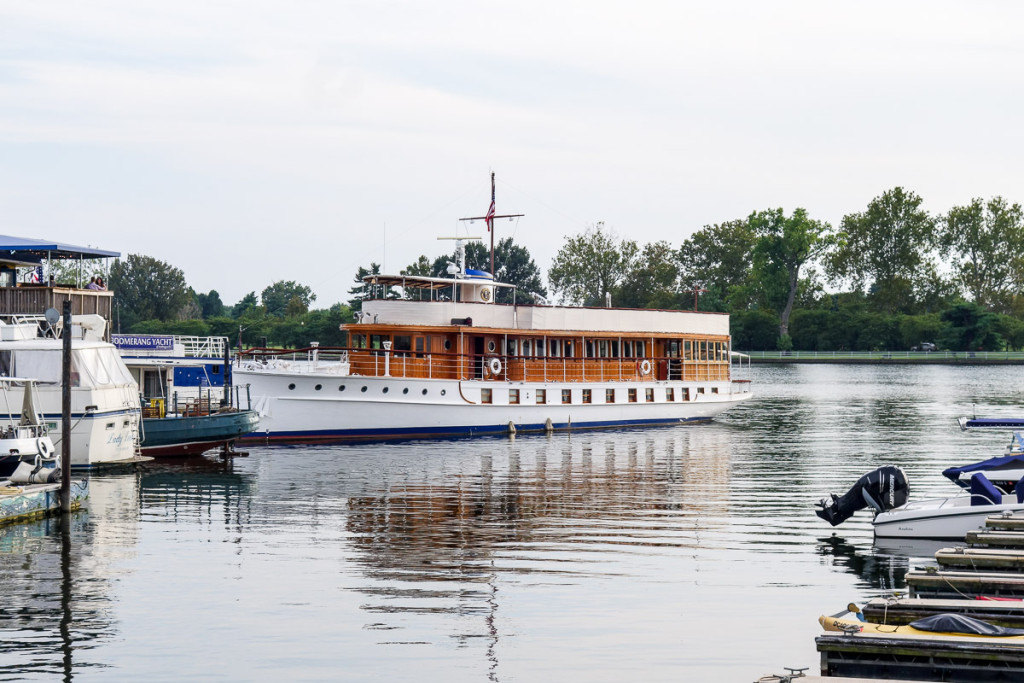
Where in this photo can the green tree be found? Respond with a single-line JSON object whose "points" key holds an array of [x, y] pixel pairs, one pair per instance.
{"points": [[362, 290], [591, 264], [985, 241], [718, 258], [785, 245], [970, 327], [247, 305], [146, 289], [277, 298], [653, 281], [210, 305], [886, 247]]}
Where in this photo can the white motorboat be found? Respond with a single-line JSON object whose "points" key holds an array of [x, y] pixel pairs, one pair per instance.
{"points": [[105, 409], [989, 488], [27, 454]]}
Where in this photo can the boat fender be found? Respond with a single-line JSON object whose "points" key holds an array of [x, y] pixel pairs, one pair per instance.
{"points": [[494, 365], [43, 447], [644, 366]]}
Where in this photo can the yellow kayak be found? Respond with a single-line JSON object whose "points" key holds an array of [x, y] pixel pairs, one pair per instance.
{"points": [[937, 625]]}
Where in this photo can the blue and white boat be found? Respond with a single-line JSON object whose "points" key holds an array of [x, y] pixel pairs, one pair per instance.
{"points": [[990, 487], [185, 408]]}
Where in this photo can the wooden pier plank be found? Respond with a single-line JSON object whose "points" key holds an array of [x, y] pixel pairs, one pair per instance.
{"points": [[996, 539], [920, 658], [951, 584], [981, 559], [905, 610], [1014, 522]]}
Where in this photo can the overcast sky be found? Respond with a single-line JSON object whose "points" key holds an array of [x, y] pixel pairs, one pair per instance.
{"points": [[249, 142]]}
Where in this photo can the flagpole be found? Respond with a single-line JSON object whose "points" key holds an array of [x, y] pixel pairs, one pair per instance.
{"points": [[490, 223], [489, 220]]}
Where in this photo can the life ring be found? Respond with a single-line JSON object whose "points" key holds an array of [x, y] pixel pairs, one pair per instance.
{"points": [[43, 447], [494, 365], [644, 367]]}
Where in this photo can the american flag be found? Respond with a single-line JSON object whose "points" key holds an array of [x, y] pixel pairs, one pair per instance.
{"points": [[489, 219], [37, 274]]}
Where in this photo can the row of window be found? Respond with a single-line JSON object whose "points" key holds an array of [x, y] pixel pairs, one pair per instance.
{"points": [[552, 348], [587, 395]]}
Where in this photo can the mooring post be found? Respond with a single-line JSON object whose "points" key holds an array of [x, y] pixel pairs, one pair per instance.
{"points": [[65, 413], [227, 370]]}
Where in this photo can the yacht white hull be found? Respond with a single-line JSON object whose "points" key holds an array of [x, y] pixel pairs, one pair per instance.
{"points": [[310, 406], [104, 422], [939, 518]]}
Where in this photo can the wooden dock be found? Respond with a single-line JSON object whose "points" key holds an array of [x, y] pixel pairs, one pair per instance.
{"points": [[991, 566], [34, 501]]}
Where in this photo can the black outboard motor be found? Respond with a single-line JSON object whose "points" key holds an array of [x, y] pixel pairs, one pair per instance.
{"points": [[883, 489]]}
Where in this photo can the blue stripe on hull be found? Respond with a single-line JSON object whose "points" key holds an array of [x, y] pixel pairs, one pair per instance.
{"points": [[441, 432]]}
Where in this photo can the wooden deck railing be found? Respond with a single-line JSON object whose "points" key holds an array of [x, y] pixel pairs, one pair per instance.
{"points": [[409, 364], [35, 299]]}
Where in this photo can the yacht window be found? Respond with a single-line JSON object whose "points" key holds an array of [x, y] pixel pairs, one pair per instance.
{"points": [[555, 347], [491, 346], [615, 348], [485, 395], [589, 349], [542, 396], [587, 396], [359, 341], [609, 396], [402, 343], [632, 395], [513, 396], [602, 348], [511, 347], [526, 347], [569, 350], [670, 395], [649, 394], [566, 395]]}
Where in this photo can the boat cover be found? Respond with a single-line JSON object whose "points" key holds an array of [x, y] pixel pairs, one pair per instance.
{"points": [[953, 473], [959, 623]]}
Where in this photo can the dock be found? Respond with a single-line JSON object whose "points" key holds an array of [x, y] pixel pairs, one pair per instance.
{"points": [[35, 501], [984, 580]]}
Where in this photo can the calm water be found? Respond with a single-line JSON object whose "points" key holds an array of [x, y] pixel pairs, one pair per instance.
{"points": [[686, 553]]}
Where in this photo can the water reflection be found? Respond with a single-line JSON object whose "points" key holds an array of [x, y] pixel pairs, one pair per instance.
{"points": [[587, 556]]}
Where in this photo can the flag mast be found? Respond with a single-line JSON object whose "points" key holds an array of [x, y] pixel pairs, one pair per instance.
{"points": [[489, 219]]}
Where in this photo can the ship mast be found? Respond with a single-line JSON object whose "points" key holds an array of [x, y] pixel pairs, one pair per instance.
{"points": [[490, 221]]}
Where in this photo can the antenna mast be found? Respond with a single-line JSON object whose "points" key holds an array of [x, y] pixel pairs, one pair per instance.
{"points": [[490, 221]]}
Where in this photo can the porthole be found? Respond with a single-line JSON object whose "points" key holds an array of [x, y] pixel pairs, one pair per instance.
{"points": [[318, 387], [385, 390], [447, 344], [491, 346], [291, 387], [442, 392], [363, 389], [406, 390], [424, 392], [341, 387]]}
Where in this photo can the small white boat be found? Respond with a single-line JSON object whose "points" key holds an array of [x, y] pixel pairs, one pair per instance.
{"points": [[989, 488], [27, 454]]}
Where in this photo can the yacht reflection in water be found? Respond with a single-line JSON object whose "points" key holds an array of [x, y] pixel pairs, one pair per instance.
{"points": [[59, 574], [552, 509]]}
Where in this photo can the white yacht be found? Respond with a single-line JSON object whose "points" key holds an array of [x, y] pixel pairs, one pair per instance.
{"points": [[105, 409]]}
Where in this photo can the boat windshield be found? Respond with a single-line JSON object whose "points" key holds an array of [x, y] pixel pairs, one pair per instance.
{"points": [[95, 367]]}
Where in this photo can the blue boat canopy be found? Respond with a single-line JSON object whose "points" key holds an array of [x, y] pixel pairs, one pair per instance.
{"points": [[953, 473], [34, 251]]}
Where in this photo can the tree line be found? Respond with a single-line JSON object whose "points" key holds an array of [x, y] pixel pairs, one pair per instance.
{"points": [[886, 278]]}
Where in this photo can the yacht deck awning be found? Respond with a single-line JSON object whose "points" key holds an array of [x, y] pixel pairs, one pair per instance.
{"points": [[28, 250]]}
